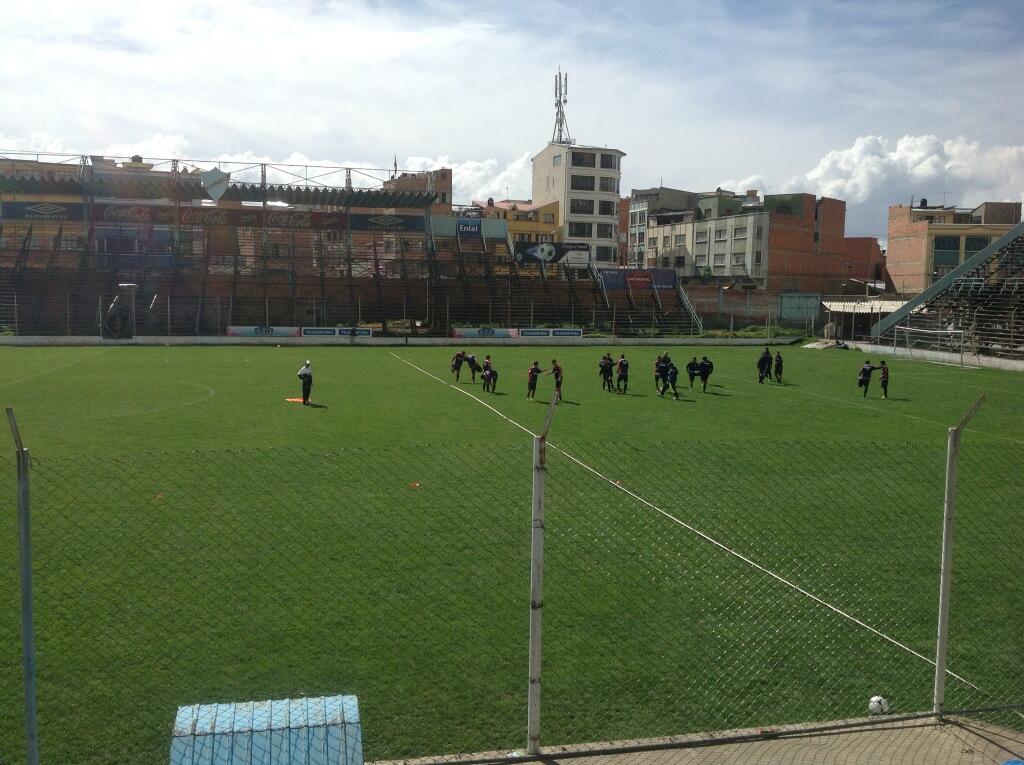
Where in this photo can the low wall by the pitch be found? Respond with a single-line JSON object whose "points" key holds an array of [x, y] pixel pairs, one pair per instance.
{"points": [[941, 357], [186, 340]]}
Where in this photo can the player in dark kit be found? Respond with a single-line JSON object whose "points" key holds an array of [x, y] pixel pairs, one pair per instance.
{"points": [[457, 360], [622, 382], [531, 379], [531, 374], [764, 366], [604, 368], [778, 368], [486, 377], [494, 380], [670, 381], [693, 369], [556, 370], [884, 379], [706, 368], [864, 377], [473, 366], [487, 362], [664, 362], [657, 373]]}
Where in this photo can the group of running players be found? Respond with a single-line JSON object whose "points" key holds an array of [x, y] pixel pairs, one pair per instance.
{"points": [[666, 374]]}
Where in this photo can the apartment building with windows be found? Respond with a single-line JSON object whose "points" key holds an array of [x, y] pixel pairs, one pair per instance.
{"points": [[927, 242], [584, 181], [647, 202], [786, 242], [527, 221]]}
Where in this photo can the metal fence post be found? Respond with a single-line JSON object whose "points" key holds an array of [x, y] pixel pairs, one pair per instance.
{"points": [[946, 568], [28, 638], [537, 584]]}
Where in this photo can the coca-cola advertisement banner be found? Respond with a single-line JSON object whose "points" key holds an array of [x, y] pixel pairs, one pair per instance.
{"points": [[215, 216]]}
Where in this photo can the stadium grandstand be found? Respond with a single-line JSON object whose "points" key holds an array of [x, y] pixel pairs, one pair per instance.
{"points": [[976, 309], [94, 245]]}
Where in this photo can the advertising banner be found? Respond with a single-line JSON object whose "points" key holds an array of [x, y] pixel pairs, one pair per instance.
{"points": [[550, 252], [557, 332], [484, 332], [470, 227], [261, 331], [613, 278], [361, 222], [41, 211], [336, 332], [215, 216], [663, 278], [639, 279]]}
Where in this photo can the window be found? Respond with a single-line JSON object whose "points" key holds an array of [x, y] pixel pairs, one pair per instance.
{"points": [[582, 183], [701, 260], [605, 254], [643, 217], [581, 229], [737, 259], [719, 260], [609, 184], [652, 242], [680, 240], [632, 218], [739, 232], [680, 261], [522, 237], [609, 162], [549, 217], [606, 207], [545, 238], [581, 206], [584, 159], [556, 160], [605, 231], [759, 231], [719, 234], [701, 237], [757, 257], [974, 244], [707, 212]]}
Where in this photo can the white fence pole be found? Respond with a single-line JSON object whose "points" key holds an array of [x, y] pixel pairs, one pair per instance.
{"points": [[28, 638], [537, 585], [946, 568]]}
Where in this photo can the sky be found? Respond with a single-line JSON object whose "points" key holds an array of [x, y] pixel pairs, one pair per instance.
{"points": [[869, 102]]}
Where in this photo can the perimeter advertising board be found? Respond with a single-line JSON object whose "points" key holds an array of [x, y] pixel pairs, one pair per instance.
{"points": [[571, 253], [262, 331]]}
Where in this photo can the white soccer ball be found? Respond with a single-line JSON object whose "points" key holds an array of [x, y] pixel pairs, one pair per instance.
{"points": [[878, 706], [546, 252]]}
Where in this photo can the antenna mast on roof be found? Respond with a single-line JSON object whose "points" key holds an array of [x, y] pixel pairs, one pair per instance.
{"points": [[561, 131]]}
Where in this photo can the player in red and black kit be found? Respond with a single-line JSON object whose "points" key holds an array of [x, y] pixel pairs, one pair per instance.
{"points": [[622, 381], [884, 379], [531, 379], [556, 370]]}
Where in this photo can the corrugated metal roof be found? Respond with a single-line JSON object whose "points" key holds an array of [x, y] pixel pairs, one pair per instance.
{"points": [[311, 731], [879, 306]]}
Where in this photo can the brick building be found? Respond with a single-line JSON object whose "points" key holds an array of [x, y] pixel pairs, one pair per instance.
{"points": [[927, 242]]}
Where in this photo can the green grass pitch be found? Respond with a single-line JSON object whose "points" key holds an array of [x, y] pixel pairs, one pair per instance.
{"points": [[199, 539]]}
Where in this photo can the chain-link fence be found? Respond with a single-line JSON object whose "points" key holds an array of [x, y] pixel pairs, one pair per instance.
{"points": [[689, 587]]}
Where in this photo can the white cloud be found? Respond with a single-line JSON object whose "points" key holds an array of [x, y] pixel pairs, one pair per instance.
{"points": [[874, 172], [480, 179]]}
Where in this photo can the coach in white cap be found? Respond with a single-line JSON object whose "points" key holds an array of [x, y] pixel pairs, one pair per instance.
{"points": [[306, 375]]}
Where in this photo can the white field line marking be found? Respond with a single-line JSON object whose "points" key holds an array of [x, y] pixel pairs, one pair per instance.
{"points": [[51, 370], [724, 548]]}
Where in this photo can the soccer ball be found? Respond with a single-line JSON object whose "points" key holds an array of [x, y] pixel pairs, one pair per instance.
{"points": [[878, 706], [546, 252]]}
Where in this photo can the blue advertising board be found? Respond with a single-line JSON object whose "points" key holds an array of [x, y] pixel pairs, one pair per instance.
{"points": [[57, 211], [557, 332], [336, 332], [469, 227], [613, 278], [663, 278]]}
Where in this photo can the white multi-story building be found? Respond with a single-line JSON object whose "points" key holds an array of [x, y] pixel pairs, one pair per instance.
{"points": [[584, 180]]}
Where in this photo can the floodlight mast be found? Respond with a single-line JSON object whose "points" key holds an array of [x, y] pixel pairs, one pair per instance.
{"points": [[561, 132]]}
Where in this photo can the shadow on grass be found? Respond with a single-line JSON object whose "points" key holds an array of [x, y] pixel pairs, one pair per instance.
{"points": [[718, 393], [311, 405]]}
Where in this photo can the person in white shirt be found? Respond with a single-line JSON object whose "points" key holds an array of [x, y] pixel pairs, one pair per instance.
{"points": [[306, 375]]}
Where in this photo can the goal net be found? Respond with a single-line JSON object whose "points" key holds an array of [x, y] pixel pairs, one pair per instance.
{"points": [[950, 341]]}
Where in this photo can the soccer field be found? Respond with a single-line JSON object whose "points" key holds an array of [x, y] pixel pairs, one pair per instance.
{"points": [[753, 555]]}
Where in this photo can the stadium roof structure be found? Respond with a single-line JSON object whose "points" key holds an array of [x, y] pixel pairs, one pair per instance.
{"points": [[187, 188], [1006, 249], [863, 306]]}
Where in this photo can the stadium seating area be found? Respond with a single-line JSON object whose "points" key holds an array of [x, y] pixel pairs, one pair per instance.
{"points": [[976, 309], [241, 276]]}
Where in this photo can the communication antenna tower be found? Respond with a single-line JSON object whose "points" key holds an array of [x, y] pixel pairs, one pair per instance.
{"points": [[561, 131]]}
